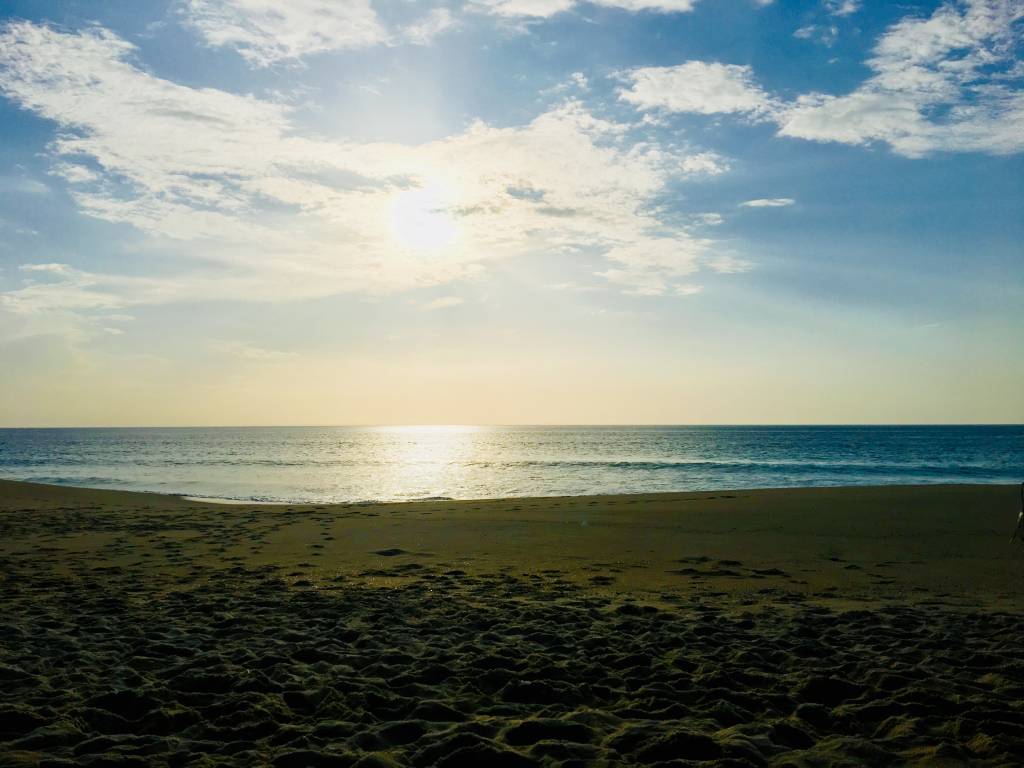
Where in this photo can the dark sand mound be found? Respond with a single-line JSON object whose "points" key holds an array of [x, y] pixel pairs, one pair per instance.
{"points": [[244, 669]]}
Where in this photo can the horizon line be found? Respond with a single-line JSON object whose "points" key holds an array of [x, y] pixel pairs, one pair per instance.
{"points": [[591, 425]]}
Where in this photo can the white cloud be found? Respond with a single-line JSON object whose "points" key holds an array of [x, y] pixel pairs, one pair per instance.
{"points": [[58, 287], [941, 83], [245, 351], [443, 302], [654, 266], [255, 210], [424, 31], [823, 35], [532, 8], [768, 202], [710, 219], [729, 265], [547, 8], [842, 7], [73, 173], [705, 163], [946, 82], [662, 6], [576, 82], [696, 86], [687, 289], [579, 80], [269, 31], [572, 286], [50, 268]]}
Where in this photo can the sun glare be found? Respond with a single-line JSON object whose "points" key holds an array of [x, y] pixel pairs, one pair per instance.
{"points": [[420, 220]]}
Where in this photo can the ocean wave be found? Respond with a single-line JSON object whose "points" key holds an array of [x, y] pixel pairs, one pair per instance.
{"points": [[96, 481], [25, 463], [751, 465]]}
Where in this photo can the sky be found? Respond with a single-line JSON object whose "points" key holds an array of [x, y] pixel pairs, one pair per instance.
{"points": [[511, 212]]}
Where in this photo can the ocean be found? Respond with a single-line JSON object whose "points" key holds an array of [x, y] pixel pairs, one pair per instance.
{"points": [[348, 464]]}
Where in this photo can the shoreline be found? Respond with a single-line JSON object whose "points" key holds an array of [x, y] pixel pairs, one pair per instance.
{"points": [[240, 501]]}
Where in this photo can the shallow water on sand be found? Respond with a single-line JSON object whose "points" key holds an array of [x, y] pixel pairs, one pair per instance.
{"points": [[339, 464]]}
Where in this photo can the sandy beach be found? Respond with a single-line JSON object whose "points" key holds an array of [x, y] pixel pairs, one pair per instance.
{"points": [[853, 626]]}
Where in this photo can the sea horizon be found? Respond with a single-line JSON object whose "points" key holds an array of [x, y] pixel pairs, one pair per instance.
{"points": [[387, 463], [538, 425]]}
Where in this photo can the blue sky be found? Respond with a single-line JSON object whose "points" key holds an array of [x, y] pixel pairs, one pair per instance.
{"points": [[509, 211]]}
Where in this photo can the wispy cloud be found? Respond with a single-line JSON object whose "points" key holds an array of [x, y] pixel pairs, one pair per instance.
{"points": [[768, 202], [572, 287], [18, 229], [730, 265], [262, 212], [546, 8], [424, 31], [654, 266], [705, 163], [442, 302], [531, 8], [823, 34], [56, 299], [842, 7], [708, 219], [266, 32], [242, 350], [22, 185], [50, 287]]}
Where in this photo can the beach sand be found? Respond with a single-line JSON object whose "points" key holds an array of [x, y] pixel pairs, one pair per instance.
{"points": [[811, 627]]}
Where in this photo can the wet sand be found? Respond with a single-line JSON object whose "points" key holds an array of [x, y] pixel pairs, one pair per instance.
{"points": [[857, 626]]}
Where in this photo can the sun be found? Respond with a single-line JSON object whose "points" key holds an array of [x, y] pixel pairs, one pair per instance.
{"points": [[420, 220]]}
